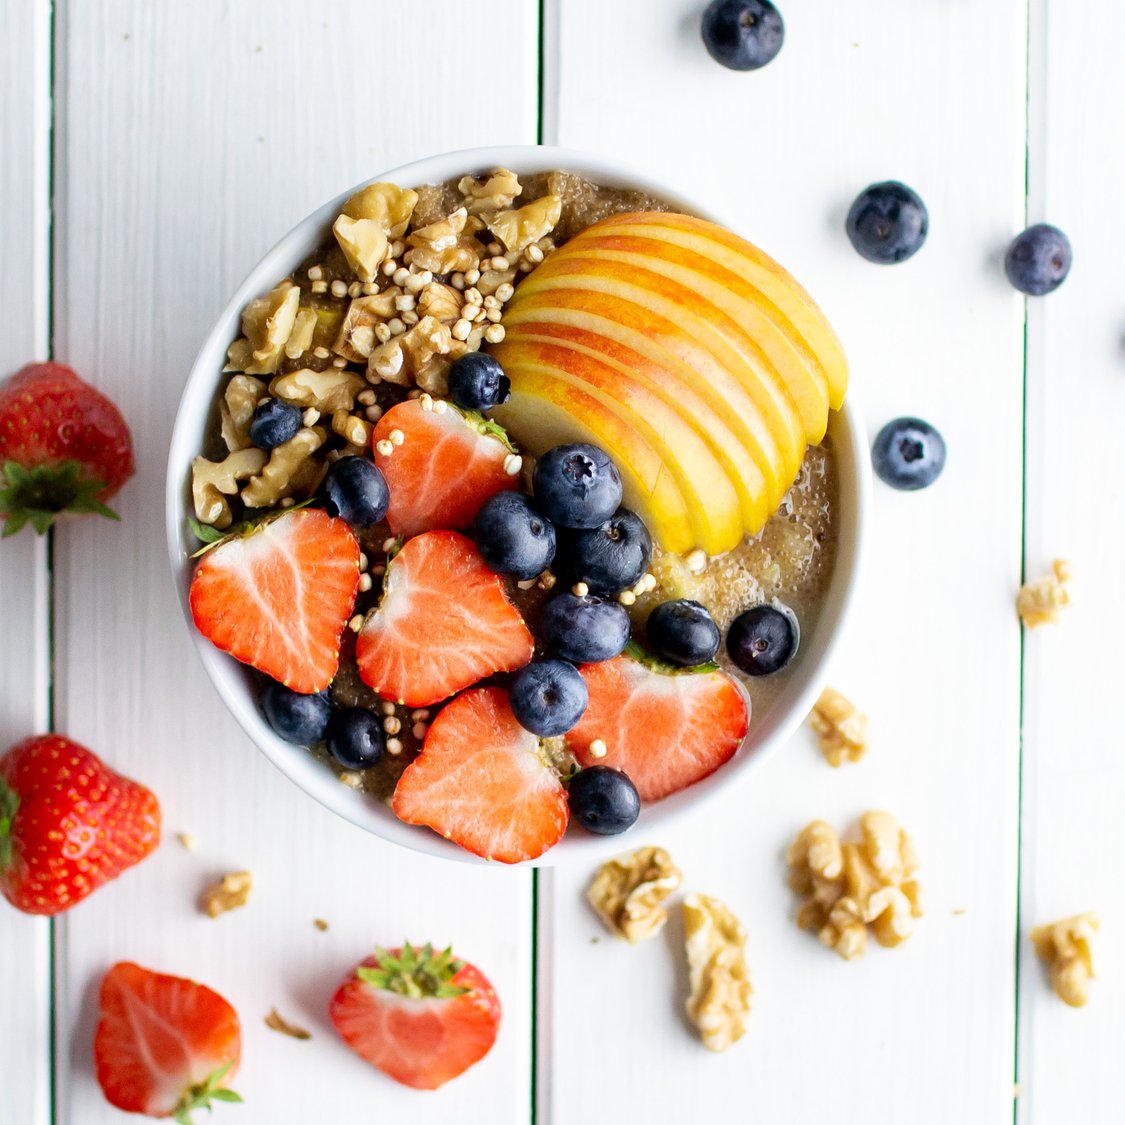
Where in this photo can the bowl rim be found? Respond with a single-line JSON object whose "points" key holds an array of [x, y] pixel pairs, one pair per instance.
{"points": [[230, 679]]}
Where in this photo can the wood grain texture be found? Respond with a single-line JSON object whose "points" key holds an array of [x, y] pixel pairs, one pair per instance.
{"points": [[25, 1061], [858, 94], [1073, 771], [187, 146]]}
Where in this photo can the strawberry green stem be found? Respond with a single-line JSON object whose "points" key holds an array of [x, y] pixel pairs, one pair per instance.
{"points": [[201, 1096], [38, 496], [418, 973], [9, 803]]}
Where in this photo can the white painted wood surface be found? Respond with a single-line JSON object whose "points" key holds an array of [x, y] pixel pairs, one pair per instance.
{"points": [[25, 942]]}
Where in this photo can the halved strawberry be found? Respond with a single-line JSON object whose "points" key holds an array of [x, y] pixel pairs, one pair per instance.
{"points": [[447, 465], [421, 1017], [444, 623], [483, 782], [666, 730], [165, 1045], [279, 597]]}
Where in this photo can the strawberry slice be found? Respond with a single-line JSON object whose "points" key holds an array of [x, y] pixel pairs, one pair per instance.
{"points": [[483, 782], [444, 622], [164, 1045], [279, 596], [421, 1017], [447, 465], [666, 730]]}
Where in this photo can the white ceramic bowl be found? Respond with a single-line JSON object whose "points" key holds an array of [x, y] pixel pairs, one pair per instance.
{"points": [[196, 413]]}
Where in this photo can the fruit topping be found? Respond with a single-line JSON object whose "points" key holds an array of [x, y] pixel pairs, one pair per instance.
{"points": [[609, 558], [576, 485], [548, 697], [420, 1017], [665, 731], [477, 382], [513, 536], [482, 781], [357, 491], [274, 423], [295, 716], [584, 629], [165, 1046], [908, 454], [683, 632], [604, 801], [742, 34], [887, 223], [279, 596], [68, 824], [355, 738], [442, 465], [764, 639], [1038, 260], [443, 623]]}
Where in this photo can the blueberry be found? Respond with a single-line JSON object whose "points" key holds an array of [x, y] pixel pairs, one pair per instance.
{"points": [[477, 382], [609, 558], [512, 535], [683, 632], [1038, 260], [604, 801], [908, 454], [888, 223], [763, 639], [548, 697], [295, 717], [584, 630], [274, 423], [742, 34], [355, 738], [576, 486], [357, 491]]}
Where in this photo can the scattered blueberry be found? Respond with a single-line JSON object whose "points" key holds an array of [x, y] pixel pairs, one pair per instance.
{"points": [[477, 382], [1038, 260], [763, 639], [513, 536], [357, 491], [888, 223], [584, 630], [742, 34], [683, 632], [295, 717], [548, 697], [608, 558], [355, 738], [274, 423], [908, 454], [576, 486], [604, 800]]}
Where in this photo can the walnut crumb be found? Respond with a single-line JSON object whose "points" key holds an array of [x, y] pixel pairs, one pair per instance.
{"points": [[627, 892], [275, 1022], [229, 893], [1064, 947], [841, 728], [187, 841], [715, 942], [320, 924], [1039, 602]]}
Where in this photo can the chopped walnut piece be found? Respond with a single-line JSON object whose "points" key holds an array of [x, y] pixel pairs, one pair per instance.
{"points": [[492, 192], [440, 301], [519, 229], [301, 338], [229, 893], [320, 924], [187, 841], [357, 337], [415, 357], [846, 887], [213, 481], [334, 388], [627, 892], [492, 280], [443, 247], [236, 409], [841, 728], [1039, 602], [719, 978], [282, 474], [1065, 949], [367, 224], [275, 1022], [267, 324], [355, 431]]}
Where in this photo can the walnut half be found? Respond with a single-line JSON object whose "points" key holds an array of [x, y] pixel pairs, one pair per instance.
{"points": [[267, 324], [719, 978], [213, 481], [841, 728], [369, 221], [627, 892], [1065, 949]]}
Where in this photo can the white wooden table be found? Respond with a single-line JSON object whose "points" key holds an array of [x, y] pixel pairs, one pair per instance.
{"points": [[151, 150]]}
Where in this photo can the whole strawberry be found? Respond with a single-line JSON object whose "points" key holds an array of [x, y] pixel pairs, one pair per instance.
{"points": [[68, 824], [64, 447]]}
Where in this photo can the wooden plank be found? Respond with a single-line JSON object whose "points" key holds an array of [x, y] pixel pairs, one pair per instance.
{"points": [[1073, 775], [190, 143], [857, 95], [25, 983]]}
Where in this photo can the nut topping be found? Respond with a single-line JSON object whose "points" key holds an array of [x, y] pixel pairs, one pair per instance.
{"points": [[719, 978], [627, 892]]}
